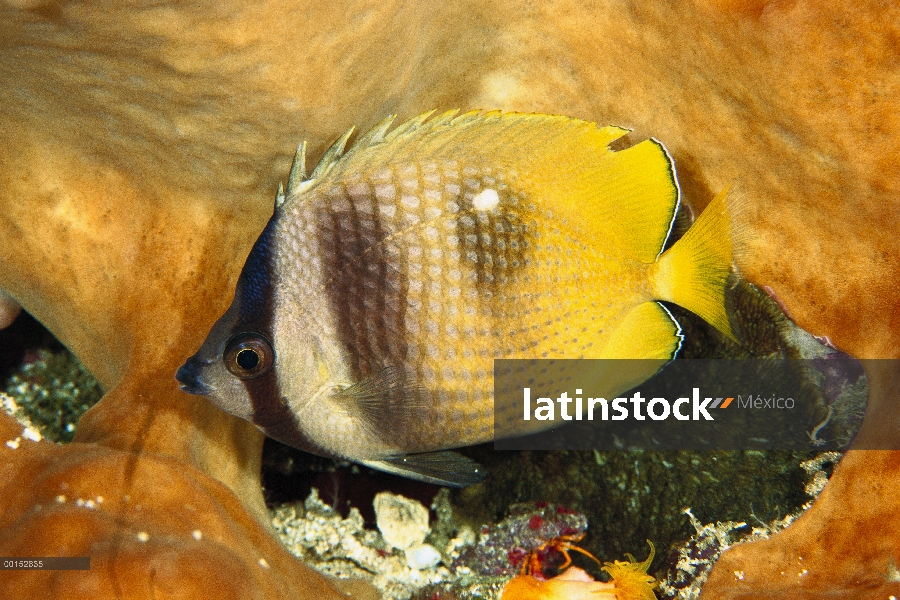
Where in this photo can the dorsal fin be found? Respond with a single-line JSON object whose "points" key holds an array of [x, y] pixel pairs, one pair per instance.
{"points": [[629, 195], [376, 134], [331, 155], [410, 125], [279, 195], [298, 170]]}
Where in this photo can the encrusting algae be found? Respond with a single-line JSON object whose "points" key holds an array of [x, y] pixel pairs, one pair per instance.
{"points": [[370, 311]]}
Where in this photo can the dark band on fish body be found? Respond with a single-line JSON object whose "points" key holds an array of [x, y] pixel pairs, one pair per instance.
{"points": [[349, 256], [257, 275], [500, 242], [256, 311]]}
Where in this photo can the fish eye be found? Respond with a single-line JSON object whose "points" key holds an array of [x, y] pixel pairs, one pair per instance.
{"points": [[248, 355]]}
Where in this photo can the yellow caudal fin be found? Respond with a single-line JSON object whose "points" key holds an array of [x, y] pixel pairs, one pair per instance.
{"points": [[694, 272]]}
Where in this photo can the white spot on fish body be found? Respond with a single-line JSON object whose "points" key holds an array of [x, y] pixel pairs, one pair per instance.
{"points": [[197, 534], [143, 536], [486, 199], [263, 563]]}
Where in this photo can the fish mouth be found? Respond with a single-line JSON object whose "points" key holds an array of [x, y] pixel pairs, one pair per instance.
{"points": [[188, 375]]}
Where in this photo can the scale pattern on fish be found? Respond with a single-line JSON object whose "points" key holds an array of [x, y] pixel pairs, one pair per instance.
{"points": [[369, 313]]}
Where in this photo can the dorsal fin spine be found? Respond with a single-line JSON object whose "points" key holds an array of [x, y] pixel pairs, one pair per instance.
{"points": [[375, 135], [298, 169], [332, 154], [409, 126], [279, 196]]}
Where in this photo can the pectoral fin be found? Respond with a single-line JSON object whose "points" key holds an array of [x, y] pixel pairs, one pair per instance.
{"points": [[440, 468], [384, 401]]}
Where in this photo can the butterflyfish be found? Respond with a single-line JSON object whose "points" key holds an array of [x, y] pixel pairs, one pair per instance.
{"points": [[369, 312]]}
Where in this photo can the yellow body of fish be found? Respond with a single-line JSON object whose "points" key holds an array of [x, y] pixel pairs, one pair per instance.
{"points": [[388, 282]]}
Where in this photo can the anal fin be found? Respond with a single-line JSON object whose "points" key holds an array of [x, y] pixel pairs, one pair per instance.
{"points": [[648, 331], [440, 468], [644, 341]]}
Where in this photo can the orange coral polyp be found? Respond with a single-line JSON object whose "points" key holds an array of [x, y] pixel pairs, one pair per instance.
{"points": [[631, 579]]}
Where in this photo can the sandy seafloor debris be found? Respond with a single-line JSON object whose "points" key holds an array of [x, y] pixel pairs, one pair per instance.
{"points": [[343, 547]]}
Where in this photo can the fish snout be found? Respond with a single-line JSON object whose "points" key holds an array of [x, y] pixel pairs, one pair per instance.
{"points": [[188, 375]]}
